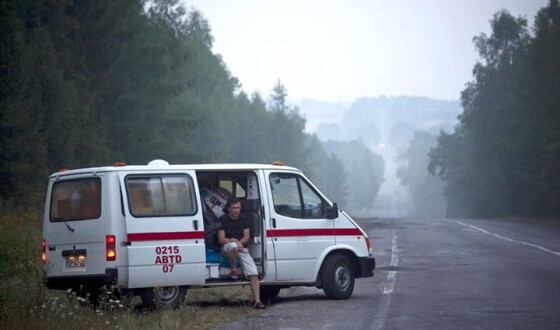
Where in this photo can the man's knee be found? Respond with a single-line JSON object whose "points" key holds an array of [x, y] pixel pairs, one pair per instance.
{"points": [[229, 249]]}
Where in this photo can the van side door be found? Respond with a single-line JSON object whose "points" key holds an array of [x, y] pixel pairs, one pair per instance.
{"points": [[164, 229], [299, 229]]}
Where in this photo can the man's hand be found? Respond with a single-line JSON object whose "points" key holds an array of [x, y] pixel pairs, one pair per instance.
{"points": [[240, 246]]}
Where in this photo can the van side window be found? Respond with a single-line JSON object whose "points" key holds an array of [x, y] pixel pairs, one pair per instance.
{"points": [[233, 187], [161, 195], [294, 197], [76, 200]]}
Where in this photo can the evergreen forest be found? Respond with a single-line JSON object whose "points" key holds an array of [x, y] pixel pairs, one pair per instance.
{"points": [[503, 158], [91, 83]]}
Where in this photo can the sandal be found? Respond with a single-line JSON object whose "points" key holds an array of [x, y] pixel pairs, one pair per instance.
{"points": [[260, 305], [234, 275]]}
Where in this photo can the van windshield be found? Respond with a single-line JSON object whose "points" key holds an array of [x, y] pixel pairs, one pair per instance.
{"points": [[78, 199]]}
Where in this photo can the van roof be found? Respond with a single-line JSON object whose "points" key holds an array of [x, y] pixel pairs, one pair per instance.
{"points": [[175, 167]]}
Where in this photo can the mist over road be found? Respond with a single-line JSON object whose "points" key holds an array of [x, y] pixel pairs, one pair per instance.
{"points": [[438, 274]]}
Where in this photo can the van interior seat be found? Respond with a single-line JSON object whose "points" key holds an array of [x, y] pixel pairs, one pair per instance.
{"points": [[250, 208]]}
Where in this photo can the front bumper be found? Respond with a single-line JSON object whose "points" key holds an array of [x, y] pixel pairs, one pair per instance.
{"points": [[366, 267]]}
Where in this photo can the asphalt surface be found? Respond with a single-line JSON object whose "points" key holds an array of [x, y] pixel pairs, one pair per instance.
{"points": [[437, 274]]}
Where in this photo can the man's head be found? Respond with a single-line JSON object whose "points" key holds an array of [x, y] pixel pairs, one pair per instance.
{"points": [[233, 207]]}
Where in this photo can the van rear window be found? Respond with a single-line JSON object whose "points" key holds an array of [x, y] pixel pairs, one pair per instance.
{"points": [[161, 196], [78, 199]]}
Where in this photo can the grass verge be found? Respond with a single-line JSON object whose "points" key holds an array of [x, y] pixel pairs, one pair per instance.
{"points": [[26, 304]]}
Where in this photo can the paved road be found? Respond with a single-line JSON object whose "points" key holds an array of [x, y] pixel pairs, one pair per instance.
{"points": [[438, 274], [466, 274]]}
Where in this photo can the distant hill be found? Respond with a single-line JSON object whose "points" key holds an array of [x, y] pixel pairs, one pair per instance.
{"points": [[379, 121], [321, 112]]}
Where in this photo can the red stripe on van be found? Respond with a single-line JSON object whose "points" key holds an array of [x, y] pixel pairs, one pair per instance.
{"points": [[165, 236], [313, 232]]}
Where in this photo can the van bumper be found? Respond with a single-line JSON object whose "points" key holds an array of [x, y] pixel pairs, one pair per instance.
{"points": [[366, 267], [70, 282]]}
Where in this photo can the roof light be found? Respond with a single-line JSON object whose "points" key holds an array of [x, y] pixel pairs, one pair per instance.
{"points": [[118, 164], [158, 162], [277, 163]]}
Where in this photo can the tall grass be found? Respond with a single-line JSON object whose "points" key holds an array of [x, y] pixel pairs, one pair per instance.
{"points": [[26, 304]]}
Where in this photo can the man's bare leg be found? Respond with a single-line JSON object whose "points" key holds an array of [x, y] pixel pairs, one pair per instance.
{"points": [[255, 287], [232, 255]]}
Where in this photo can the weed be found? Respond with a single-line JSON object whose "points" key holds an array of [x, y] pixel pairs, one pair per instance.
{"points": [[25, 303]]}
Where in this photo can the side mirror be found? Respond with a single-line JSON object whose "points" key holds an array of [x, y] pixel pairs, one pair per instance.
{"points": [[331, 212]]}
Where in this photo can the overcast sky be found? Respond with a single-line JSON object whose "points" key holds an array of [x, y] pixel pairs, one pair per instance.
{"points": [[335, 50]]}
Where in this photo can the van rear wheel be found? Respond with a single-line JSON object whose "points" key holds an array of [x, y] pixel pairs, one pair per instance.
{"points": [[124, 296], [86, 295], [163, 297], [337, 277]]}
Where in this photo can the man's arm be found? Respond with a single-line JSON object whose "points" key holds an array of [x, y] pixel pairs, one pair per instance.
{"points": [[246, 237], [222, 237]]}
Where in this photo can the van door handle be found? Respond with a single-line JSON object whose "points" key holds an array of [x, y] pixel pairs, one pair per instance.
{"points": [[273, 222], [195, 224]]}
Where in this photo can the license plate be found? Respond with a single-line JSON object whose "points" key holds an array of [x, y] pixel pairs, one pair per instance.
{"points": [[76, 261]]}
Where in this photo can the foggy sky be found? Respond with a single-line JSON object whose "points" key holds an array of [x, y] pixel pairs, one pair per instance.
{"points": [[341, 50]]}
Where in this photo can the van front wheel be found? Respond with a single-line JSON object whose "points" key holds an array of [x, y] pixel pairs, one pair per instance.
{"points": [[337, 277], [166, 297]]}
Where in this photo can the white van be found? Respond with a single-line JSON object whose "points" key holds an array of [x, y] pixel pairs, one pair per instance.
{"points": [[150, 230]]}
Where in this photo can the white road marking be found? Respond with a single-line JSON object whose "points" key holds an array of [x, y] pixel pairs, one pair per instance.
{"points": [[382, 310], [509, 239], [391, 276]]}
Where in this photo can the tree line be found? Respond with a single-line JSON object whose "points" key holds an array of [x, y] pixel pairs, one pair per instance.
{"points": [[503, 159], [88, 83]]}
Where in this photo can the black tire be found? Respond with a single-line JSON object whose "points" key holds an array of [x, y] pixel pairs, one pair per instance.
{"points": [[164, 297], [91, 296], [125, 296], [94, 298], [269, 292], [337, 277]]}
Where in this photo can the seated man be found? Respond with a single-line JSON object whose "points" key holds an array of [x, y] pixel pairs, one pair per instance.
{"points": [[233, 236]]}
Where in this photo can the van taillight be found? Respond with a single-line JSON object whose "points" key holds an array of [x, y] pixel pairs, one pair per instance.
{"points": [[111, 250], [44, 251], [368, 244]]}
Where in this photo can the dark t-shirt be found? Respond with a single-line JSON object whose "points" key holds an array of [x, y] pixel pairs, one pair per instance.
{"points": [[234, 228]]}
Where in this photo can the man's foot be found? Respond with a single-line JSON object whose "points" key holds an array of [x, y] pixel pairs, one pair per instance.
{"points": [[234, 275], [260, 305]]}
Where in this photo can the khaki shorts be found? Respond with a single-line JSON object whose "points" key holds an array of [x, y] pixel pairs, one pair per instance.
{"points": [[247, 262]]}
